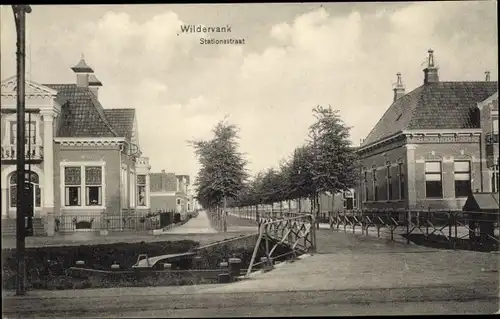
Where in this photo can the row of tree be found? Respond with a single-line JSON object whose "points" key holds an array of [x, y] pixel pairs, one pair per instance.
{"points": [[325, 163]]}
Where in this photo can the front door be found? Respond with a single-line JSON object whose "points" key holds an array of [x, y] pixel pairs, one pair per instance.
{"points": [[29, 207]]}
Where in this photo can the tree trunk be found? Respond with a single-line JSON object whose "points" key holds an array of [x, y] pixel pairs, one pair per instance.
{"points": [[318, 209], [224, 216]]}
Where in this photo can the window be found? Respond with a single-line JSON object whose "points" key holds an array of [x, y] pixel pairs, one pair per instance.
{"points": [[93, 185], [178, 201], [348, 199], [433, 180], [495, 181], [141, 190], [365, 185], [72, 185], [462, 178], [31, 178], [30, 133], [374, 185], [355, 199], [495, 126], [83, 186], [389, 181], [401, 181]]}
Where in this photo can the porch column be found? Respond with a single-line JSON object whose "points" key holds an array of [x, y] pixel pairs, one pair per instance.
{"points": [[48, 170], [410, 176], [5, 205]]}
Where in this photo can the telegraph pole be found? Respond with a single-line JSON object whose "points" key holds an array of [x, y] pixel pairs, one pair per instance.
{"points": [[20, 20]]}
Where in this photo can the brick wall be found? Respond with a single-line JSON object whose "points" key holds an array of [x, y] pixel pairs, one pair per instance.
{"points": [[378, 158], [447, 154], [108, 154], [415, 196]]}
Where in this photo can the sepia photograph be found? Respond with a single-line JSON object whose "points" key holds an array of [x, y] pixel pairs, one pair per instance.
{"points": [[206, 160]]}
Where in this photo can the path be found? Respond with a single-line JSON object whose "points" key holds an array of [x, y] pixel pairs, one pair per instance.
{"points": [[197, 225]]}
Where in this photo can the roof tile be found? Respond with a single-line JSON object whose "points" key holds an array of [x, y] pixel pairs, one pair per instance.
{"points": [[82, 114], [441, 105]]}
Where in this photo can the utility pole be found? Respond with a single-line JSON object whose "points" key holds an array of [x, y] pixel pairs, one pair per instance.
{"points": [[20, 20]]}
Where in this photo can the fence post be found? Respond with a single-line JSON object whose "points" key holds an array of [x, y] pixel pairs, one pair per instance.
{"points": [[313, 235], [449, 229], [408, 222], [391, 225]]}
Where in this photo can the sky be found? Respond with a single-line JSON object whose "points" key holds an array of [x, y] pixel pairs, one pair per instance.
{"points": [[295, 57]]}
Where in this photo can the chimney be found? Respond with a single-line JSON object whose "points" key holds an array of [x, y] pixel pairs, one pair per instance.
{"points": [[487, 74], [94, 84], [399, 88], [82, 71], [431, 71]]}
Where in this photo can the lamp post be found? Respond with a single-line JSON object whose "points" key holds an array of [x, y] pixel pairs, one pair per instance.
{"points": [[20, 20]]}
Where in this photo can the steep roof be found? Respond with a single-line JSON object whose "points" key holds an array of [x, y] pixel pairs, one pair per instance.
{"points": [[122, 120], [82, 114], [82, 66], [440, 105]]}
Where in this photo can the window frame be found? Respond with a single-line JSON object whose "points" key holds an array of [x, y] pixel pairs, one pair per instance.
{"points": [[28, 126], [388, 183], [138, 186], [83, 187], [433, 173], [495, 178], [89, 186], [401, 181], [374, 184], [468, 173], [37, 190], [365, 185]]}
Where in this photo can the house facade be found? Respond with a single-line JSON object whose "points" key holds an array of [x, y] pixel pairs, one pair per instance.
{"points": [[82, 160], [170, 192], [433, 146]]}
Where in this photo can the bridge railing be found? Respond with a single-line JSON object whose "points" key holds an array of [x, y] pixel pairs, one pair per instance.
{"points": [[451, 229], [296, 232]]}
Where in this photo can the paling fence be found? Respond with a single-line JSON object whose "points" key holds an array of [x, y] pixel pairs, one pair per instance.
{"points": [[445, 228], [450, 229], [115, 222]]}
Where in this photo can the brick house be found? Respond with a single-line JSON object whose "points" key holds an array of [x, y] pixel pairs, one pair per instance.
{"points": [[433, 146], [170, 192], [84, 159]]}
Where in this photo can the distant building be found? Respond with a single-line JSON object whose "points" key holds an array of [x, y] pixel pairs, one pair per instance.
{"points": [[433, 146], [84, 159], [169, 192]]}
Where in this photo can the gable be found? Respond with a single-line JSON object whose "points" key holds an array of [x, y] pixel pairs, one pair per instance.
{"points": [[32, 89]]}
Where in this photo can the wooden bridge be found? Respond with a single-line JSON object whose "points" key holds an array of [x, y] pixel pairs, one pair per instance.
{"points": [[294, 230]]}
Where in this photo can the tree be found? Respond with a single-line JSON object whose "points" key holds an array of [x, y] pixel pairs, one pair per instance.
{"points": [[222, 174], [334, 160]]}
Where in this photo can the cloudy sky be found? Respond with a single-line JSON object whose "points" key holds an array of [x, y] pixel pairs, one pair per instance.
{"points": [[295, 57]]}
